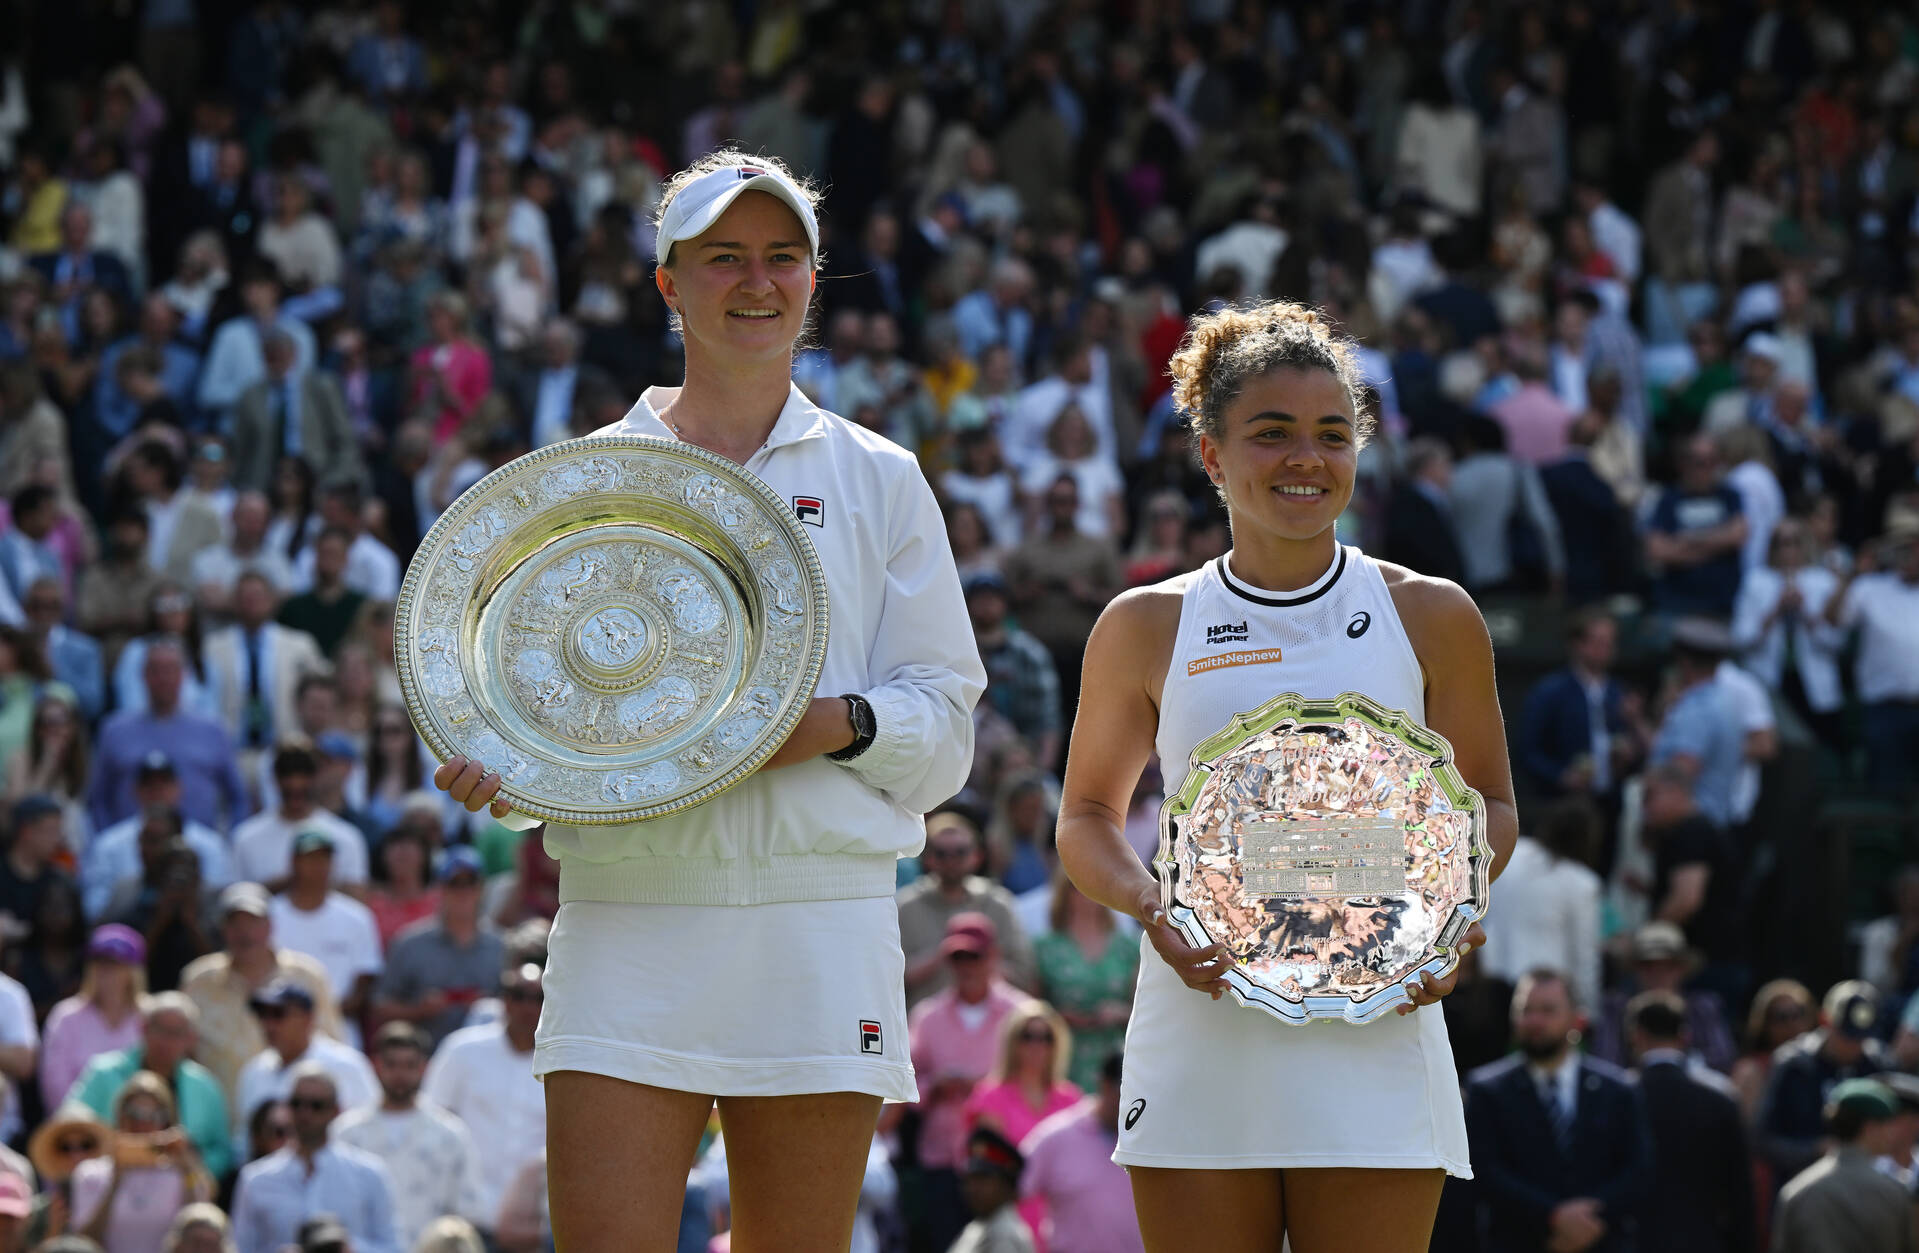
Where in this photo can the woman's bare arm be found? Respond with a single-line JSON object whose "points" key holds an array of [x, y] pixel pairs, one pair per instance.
{"points": [[1449, 637], [1113, 735]]}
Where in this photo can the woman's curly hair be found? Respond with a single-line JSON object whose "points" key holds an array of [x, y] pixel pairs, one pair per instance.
{"points": [[1224, 349]]}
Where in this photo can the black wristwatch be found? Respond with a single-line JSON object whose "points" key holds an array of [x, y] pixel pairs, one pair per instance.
{"points": [[864, 728]]}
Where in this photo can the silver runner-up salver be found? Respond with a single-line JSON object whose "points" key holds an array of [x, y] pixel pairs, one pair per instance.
{"points": [[621, 626], [1332, 848]]}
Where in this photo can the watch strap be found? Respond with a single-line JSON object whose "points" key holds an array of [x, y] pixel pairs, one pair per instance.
{"points": [[864, 727]]}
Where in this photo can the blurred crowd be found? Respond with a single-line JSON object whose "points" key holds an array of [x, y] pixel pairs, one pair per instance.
{"points": [[1637, 289]]}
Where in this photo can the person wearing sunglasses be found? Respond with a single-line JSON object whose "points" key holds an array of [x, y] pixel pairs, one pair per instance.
{"points": [[125, 1199], [68, 1137], [484, 1076], [956, 1036], [285, 1014], [314, 1175], [169, 1033], [1026, 1086], [955, 882]]}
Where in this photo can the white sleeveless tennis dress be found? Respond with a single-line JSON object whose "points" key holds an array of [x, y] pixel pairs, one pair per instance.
{"points": [[1212, 1084]]}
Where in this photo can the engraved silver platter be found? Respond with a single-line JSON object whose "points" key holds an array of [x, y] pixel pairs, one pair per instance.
{"points": [[622, 626], [1332, 848]]}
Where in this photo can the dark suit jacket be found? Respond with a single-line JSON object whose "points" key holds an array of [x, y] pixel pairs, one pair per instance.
{"points": [[326, 435], [1555, 727], [521, 383], [1420, 537], [1700, 1200], [1593, 527], [109, 273], [1522, 1173], [236, 220]]}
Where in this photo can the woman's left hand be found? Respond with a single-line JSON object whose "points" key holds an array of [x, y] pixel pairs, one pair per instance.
{"points": [[1429, 988]]}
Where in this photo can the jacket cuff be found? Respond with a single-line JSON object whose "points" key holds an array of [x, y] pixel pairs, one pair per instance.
{"points": [[891, 712], [517, 821]]}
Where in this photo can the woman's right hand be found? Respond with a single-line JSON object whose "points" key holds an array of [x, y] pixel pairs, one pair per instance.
{"points": [[1202, 969], [470, 783]]}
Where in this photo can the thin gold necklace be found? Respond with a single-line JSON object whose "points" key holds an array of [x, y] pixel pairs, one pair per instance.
{"points": [[685, 439]]}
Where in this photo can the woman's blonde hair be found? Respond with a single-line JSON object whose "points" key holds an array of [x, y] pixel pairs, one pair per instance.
{"points": [[145, 1083], [1006, 1067], [726, 158], [198, 1214], [1769, 995], [1226, 349], [90, 982], [449, 1234]]}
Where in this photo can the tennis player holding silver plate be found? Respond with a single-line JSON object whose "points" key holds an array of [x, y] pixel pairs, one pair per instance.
{"points": [[1331, 848], [1325, 856]]}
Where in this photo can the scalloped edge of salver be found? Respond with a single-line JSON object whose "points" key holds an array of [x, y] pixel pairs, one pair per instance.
{"points": [[1321, 1006], [777, 506]]}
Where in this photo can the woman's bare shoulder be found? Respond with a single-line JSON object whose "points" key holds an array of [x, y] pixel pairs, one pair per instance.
{"points": [[1438, 614], [1134, 635], [1152, 609]]}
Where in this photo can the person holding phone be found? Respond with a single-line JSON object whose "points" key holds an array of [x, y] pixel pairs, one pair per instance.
{"points": [[125, 1200]]}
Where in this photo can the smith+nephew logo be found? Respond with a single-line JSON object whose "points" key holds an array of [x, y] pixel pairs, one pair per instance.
{"points": [[1227, 633]]}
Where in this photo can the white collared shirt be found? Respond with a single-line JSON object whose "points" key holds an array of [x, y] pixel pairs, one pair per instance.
{"points": [[269, 1077], [278, 1193]]}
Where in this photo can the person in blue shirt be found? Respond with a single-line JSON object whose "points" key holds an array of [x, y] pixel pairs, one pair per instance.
{"points": [[117, 412], [309, 1177], [1701, 732], [211, 790]]}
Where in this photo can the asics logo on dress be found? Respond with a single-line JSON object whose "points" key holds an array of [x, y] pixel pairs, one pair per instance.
{"points": [[1133, 1112], [1226, 633], [1357, 627]]}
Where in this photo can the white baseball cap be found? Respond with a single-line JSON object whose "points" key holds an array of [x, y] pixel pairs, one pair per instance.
{"points": [[699, 204]]}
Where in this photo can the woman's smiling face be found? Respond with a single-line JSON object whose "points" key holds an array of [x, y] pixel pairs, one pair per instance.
{"points": [[742, 288], [1287, 453]]}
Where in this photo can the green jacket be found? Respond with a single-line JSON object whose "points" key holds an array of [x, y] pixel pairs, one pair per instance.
{"points": [[203, 1108]]}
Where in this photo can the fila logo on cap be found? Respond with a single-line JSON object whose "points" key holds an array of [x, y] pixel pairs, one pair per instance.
{"points": [[750, 171], [870, 1037], [811, 510]]}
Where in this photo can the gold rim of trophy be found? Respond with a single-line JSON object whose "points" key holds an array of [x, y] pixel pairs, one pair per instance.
{"points": [[495, 569]]}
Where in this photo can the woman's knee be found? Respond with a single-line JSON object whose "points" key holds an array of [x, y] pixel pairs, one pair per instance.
{"points": [[618, 1155]]}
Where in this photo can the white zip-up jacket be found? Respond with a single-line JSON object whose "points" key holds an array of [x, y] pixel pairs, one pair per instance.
{"points": [[898, 634]]}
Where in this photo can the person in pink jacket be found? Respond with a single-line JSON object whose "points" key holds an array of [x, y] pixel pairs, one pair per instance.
{"points": [[1027, 1086]]}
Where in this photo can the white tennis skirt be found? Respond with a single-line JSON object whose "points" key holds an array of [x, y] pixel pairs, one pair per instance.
{"points": [[1213, 1085], [750, 1000]]}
